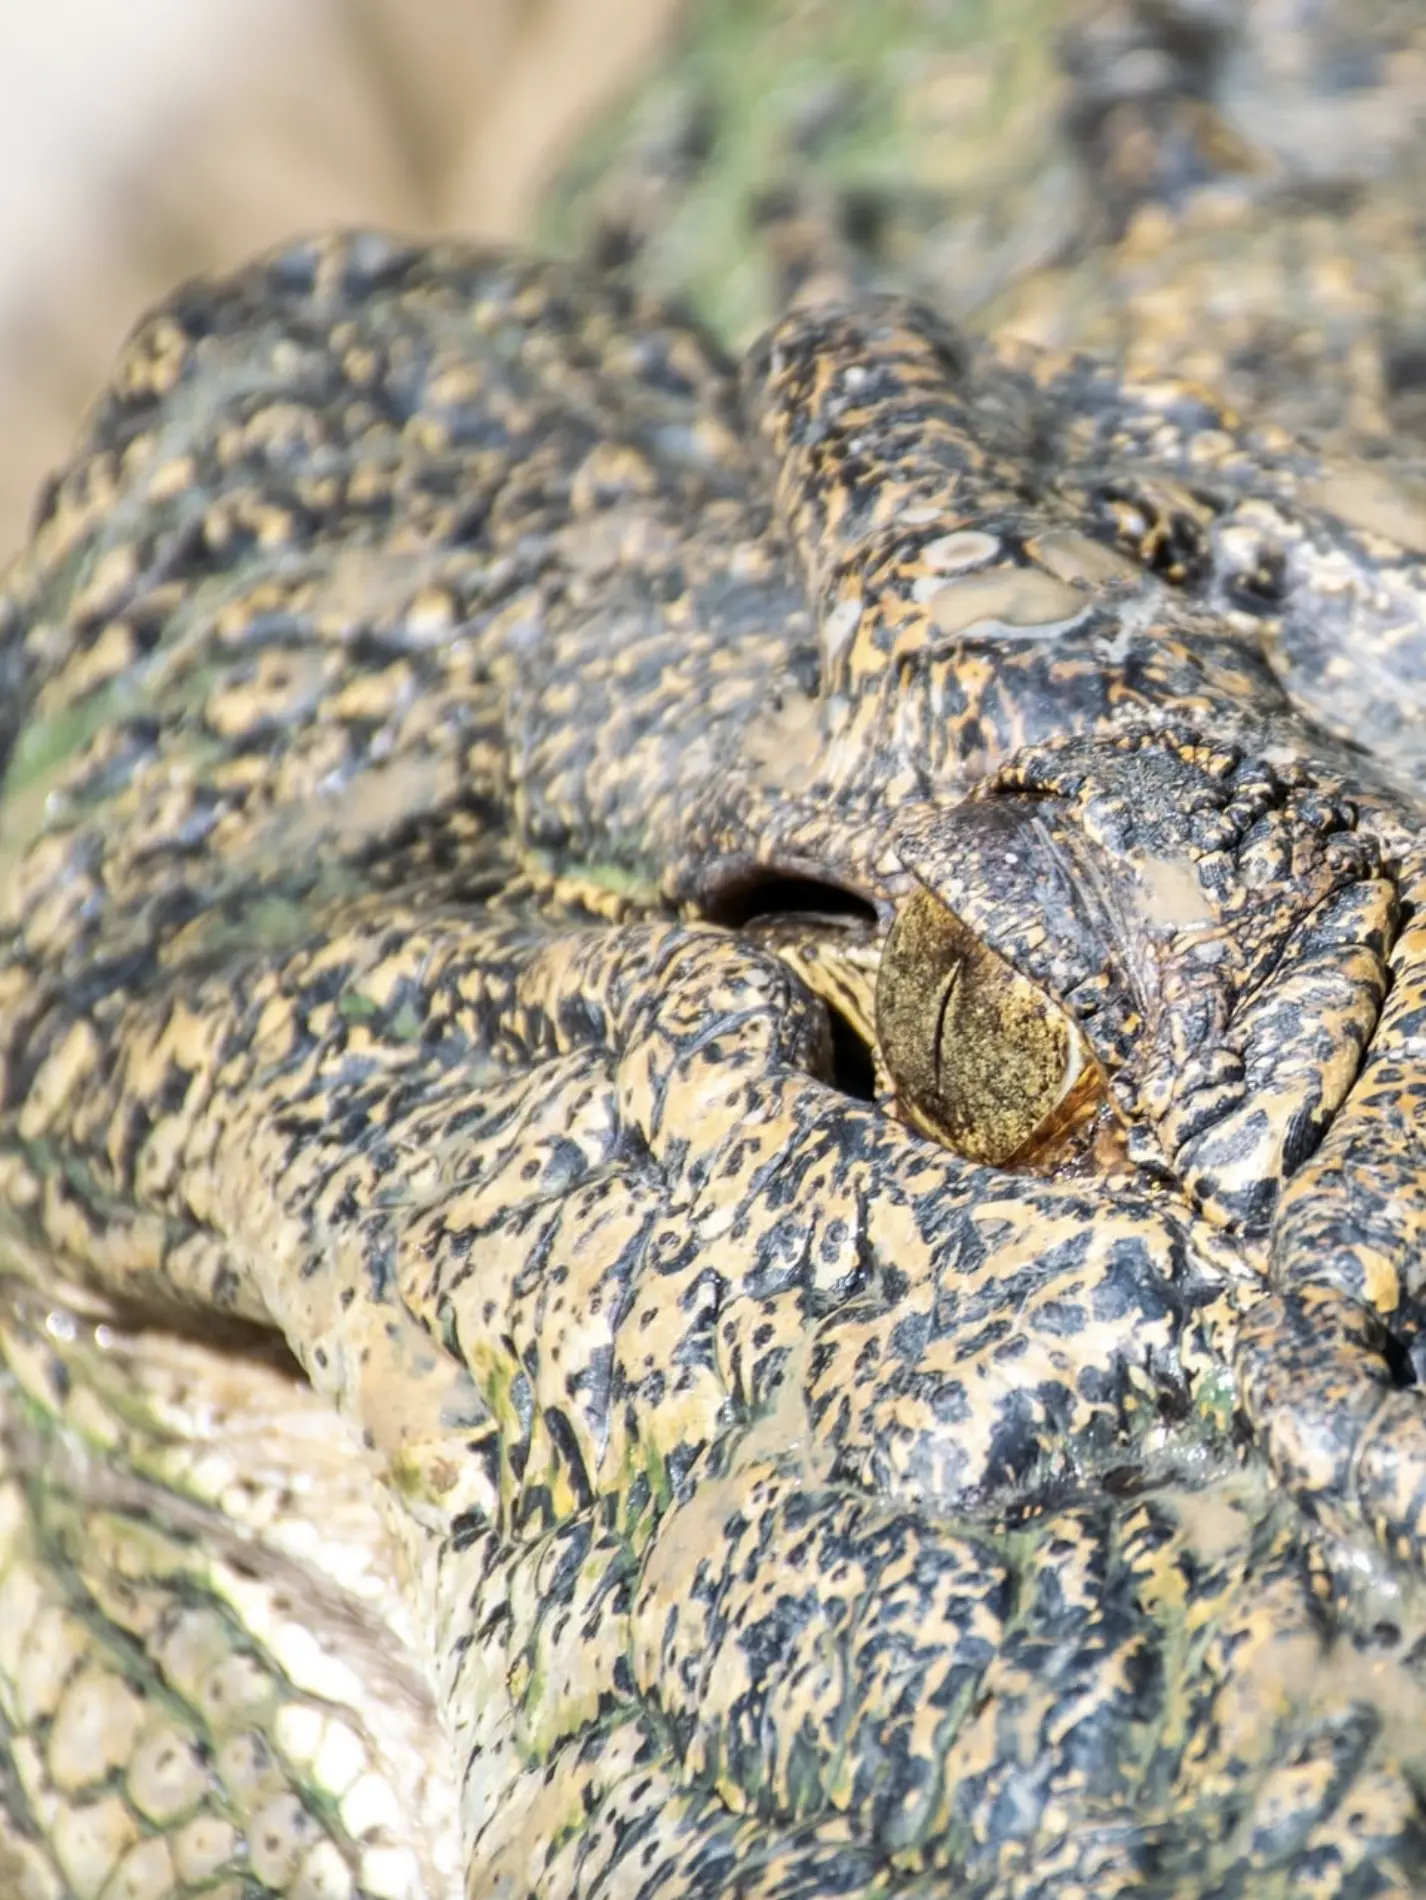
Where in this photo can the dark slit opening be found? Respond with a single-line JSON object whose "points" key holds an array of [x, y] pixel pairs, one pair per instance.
{"points": [[853, 1070], [769, 893]]}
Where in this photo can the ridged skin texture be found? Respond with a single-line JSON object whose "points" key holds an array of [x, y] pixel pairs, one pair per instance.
{"points": [[499, 1399]]}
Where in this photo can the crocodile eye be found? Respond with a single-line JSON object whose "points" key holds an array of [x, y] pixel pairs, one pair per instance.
{"points": [[981, 1059]]}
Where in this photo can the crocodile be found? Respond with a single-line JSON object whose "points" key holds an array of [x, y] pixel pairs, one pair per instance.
{"points": [[710, 1093]]}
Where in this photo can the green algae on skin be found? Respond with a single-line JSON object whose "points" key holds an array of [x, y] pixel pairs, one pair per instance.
{"points": [[898, 110]]}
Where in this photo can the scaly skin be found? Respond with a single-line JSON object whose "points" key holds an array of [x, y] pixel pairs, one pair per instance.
{"points": [[1230, 194], [437, 685]]}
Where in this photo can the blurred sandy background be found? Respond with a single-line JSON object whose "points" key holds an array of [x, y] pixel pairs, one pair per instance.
{"points": [[142, 141]]}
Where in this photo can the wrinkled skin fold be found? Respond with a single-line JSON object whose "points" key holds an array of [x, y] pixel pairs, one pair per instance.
{"points": [[496, 1404]]}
